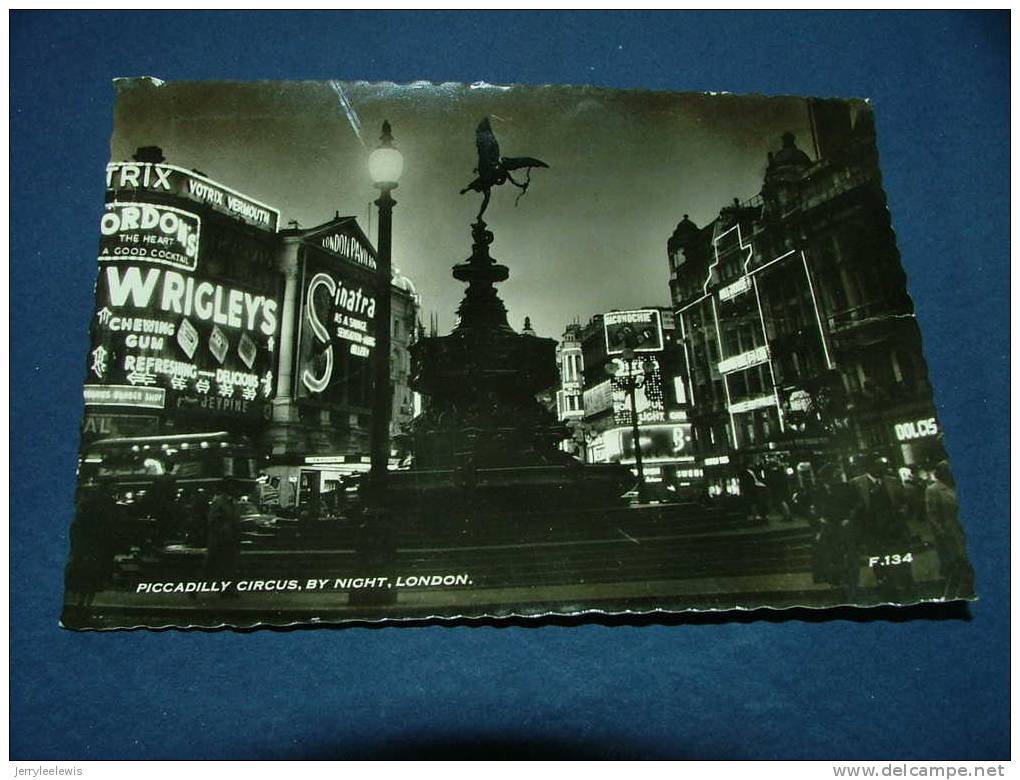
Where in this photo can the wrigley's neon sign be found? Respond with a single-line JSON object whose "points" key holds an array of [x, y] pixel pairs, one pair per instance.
{"points": [[185, 295]]}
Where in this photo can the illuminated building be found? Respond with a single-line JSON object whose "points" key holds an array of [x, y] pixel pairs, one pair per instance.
{"points": [[571, 373], [185, 333], [795, 326], [321, 419], [209, 318], [596, 405]]}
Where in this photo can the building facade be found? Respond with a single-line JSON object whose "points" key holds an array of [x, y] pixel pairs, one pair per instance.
{"points": [[319, 432], [570, 365], [186, 331], [211, 319], [796, 333], [594, 398]]}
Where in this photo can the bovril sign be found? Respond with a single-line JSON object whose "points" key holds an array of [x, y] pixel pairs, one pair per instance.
{"points": [[917, 429]]}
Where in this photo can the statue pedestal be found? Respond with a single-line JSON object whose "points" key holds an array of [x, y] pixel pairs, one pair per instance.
{"points": [[483, 438]]}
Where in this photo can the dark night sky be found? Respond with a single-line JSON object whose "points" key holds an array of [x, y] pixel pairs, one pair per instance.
{"points": [[590, 234]]}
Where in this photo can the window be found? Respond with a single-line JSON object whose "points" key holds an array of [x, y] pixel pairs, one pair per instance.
{"points": [[679, 391]]}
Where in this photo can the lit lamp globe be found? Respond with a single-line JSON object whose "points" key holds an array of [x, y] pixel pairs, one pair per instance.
{"points": [[386, 163]]}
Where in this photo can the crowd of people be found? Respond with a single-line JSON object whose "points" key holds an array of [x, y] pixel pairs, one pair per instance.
{"points": [[104, 528], [864, 513]]}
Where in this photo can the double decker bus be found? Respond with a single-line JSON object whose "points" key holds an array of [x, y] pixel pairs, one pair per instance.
{"points": [[157, 489], [193, 460]]}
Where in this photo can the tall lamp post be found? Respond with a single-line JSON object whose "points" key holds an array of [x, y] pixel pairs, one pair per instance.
{"points": [[385, 165], [633, 382]]}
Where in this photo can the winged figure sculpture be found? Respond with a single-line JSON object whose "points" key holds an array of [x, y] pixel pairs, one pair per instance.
{"points": [[494, 170]]}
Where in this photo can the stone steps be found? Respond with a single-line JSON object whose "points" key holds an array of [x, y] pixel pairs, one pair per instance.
{"points": [[767, 551]]}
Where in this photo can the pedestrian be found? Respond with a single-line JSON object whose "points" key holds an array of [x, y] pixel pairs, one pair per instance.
{"points": [[160, 504], [943, 513], [914, 487], [777, 480], [223, 545], [93, 543], [880, 518], [836, 557], [803, 496], [198, 519], [752, 490]]}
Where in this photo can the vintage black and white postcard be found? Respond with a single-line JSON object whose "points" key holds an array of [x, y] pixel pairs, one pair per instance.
{"points": [[368, 352]]}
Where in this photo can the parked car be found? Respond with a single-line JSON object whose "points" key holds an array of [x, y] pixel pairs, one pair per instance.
{"points": [[252, 519]]}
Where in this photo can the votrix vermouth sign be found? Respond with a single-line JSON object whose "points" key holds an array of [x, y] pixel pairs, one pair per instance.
{"points": [[173, 180]]}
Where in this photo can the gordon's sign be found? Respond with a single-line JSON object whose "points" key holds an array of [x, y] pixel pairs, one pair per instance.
{"points": [[171, 180], [146, 231]]}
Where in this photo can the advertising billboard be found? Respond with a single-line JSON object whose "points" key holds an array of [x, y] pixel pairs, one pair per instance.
{"points": [[107, 425], [648, 397], [640, 330], [659, 443], [337, 332], [149, 232], [916, 429], [166, 335], [346, 244], [160, 178], [598, 398]]}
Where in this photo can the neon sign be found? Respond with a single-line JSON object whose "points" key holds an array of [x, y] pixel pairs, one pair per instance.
{"points": [[338, 317], [918, 429], [171, 180], [639, 330], [150, 233]]}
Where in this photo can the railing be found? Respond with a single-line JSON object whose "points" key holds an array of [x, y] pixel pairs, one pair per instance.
{"points": [[865, 312], [878, 396]]}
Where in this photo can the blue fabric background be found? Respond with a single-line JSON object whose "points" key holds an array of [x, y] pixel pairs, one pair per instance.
{"points": [[792, 688]]}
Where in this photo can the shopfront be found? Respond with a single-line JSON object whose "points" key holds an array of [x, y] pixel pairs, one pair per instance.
{"points": [[919, 441], [666, 452]]}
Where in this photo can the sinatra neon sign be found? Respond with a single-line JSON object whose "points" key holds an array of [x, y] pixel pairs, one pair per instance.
{"points": [[352, 310]]}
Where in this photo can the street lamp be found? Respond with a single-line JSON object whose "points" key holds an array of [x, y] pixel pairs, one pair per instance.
{"points": [[385, 165], [633, 382]]}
